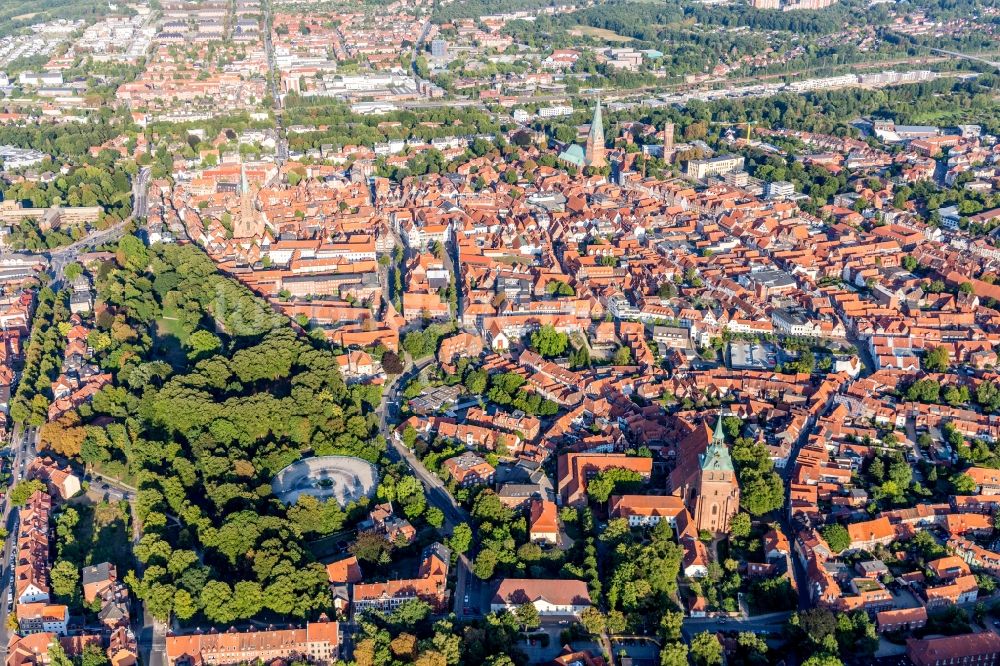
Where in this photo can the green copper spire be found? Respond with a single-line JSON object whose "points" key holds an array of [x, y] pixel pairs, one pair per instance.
{"points": [[719, 436], [716, 455]]}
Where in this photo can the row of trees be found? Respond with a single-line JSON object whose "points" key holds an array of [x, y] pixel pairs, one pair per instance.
{"points": [[43, 358]]}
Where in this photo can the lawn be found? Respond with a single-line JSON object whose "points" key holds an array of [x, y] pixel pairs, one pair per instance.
{"points": [[116, 469], [168, 325], [599, 33], [171, 334]]}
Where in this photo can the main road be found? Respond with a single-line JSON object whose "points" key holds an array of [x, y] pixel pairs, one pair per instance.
{"points": [[61, 257], [771, 622], [272, 68], [435, 490]]}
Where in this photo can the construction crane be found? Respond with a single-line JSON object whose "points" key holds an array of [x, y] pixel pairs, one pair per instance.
{"points": [[749, 126]]}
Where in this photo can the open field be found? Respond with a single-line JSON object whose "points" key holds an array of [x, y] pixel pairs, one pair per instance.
{"points": [[599, 33]]}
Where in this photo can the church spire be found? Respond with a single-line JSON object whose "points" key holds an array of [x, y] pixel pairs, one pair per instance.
{"points": [[716, 455], [594, 156], [718, 437]]}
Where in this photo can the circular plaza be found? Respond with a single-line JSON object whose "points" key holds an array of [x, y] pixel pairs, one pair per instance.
{"points": [[343, 478]]}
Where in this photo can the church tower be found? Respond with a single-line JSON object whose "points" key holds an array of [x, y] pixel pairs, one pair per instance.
{"points": [[594, 155], [718, 491], [249, 222]]}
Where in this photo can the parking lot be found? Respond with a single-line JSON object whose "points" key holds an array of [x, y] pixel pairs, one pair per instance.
{"points": [[752, 355]]}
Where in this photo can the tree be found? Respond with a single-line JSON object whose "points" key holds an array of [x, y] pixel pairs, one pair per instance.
{"points": [[391, 363], [617, 529], [670, 625], [662, 532], [706, 650], [616, 622], [818, 624], [434, 517], [549, 342], [65, 435], [752, 645], [823, 659], [364, 651], [217, 601], [559, 288], [740, 525], [410, 435], [837, 537], [404, 646], [963, 484], [24, 490], [527, 615], [485, 564], [202, 344], [447, 642], [431, 658], [370, 546], [185, 606], [593, 621], [613, 480], [623, 356], [461, 538], [57, 655], [500, 660], [937, 360], [924, 390], [674, 654], [475, 381], [132, 254], [64, 576], [72, 271], [410, 613], [762, 490], [93, 655]]}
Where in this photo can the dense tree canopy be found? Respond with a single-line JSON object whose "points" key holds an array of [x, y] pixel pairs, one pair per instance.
{"points": [[203, 426]]}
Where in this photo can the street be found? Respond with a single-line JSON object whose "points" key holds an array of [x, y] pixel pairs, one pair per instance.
{"points": [[22, 451], [772, 622], [282, 152], [61, 257], [435, 490]]}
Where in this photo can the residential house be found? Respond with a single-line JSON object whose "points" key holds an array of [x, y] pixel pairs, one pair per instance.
{"points": [[60, 481], [430, 585], [901, 619], [469, 469], [543, 522], [317, 642], [38, 617]]}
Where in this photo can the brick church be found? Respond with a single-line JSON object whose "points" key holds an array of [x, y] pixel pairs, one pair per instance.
{"points": [[705, 479]]}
